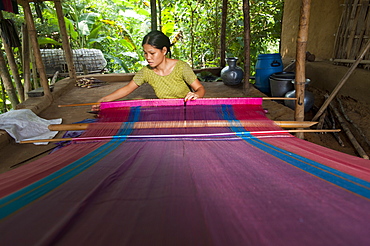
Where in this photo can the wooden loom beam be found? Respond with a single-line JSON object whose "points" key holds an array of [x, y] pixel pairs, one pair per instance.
{"points": [[97, 103], [181, 124], [227, 134]]}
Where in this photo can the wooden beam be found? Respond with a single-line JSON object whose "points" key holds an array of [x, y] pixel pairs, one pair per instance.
{"points": [[247, 37], [182, 124], [224, 134], [300, 78], [26, 61], [153, 14], [36, 50], [65, 42], [96, 103], [223, 33]]}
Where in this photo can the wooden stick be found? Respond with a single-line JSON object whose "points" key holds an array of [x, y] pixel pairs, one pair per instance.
{"points": [[358, 129], [331, 124], [78, 104], [278, 98], [97, 103], [346, 129], [181, 124], [351, 61], [176, 135]]}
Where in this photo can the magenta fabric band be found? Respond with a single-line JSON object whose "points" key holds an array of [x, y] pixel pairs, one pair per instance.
{"points": [[180, 102]]}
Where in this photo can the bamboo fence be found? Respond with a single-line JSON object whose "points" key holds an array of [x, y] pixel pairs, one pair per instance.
{"points": [[353, 33]]}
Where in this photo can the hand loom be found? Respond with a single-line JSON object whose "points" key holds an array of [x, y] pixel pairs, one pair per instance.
{"points": [[206, 185]]}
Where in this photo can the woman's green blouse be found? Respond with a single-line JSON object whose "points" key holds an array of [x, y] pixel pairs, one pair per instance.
{"points": [[174, 85]]}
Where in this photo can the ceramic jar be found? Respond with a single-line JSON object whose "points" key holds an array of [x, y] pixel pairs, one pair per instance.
{"points": [[308, 98], [232, 74]]}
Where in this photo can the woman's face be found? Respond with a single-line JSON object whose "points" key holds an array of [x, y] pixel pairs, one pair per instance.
{"points": [[154, 56]]}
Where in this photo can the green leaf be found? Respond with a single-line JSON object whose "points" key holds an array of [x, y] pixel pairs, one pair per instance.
{"points": [[44, 40]]}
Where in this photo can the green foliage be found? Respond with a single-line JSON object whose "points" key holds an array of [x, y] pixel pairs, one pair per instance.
{"points": [[117, 27]]}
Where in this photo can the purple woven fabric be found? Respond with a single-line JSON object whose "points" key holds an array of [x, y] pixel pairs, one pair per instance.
{"points": [[197, 193], [186, 191]]}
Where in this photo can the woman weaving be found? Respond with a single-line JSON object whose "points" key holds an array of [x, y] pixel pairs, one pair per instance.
{"points": [[170, 78]]}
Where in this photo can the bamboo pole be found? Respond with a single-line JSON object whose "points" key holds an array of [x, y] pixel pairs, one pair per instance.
{"points": [[223, 33], [300, 78], [181, 124], [35, 78], [7, 80], [36, 50], [13, 66], [342, 82], [351, 61], [97, 103], [26, 61], [226, 134], [153, 14], [65, 42], [246, 10]]}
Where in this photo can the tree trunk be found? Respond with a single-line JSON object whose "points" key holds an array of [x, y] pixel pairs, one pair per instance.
{"points": [[5, 76], [246, 11], [26, 61], [66, 47], [36, 50], [35, 78], [223, 33], [159, 15], [14, 68], [3, 97], [153, 14], [300, 78]]}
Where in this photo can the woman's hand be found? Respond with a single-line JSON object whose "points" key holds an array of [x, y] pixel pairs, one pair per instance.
{"points": [[198, 89], [191, 96], [95, 108]]}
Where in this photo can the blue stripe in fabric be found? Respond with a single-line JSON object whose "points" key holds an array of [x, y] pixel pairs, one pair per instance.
{"points": [[27, 195], [341, 179]]}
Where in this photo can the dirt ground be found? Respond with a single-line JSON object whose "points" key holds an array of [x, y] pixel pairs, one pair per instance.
{"points": [[14, 155]]}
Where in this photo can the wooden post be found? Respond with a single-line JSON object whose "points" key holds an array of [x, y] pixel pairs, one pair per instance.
{"points": [[14, 68], [153, 14], [5, 76], [36, 50], [223, 34], [246, 10], [35, 78], [300, 78], [66, 47], [13, 65], [26, 61]]}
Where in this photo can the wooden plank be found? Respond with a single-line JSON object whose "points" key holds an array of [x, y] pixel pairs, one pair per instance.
{"points": [[261, 133], [182, 124]]}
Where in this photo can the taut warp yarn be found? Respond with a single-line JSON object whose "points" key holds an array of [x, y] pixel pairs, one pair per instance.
{"points": [[195, 186]]}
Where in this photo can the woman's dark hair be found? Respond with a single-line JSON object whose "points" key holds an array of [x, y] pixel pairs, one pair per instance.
{"points": [[158, 40]]}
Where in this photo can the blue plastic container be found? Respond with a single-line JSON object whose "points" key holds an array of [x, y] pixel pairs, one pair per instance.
{"points": [[266, 65]]}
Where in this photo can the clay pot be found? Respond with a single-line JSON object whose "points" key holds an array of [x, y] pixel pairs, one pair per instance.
{"points": [[232, 74], [308, 98]]}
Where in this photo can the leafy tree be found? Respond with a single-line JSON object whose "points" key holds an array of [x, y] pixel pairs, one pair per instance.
{"points": [[116, 27]]}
